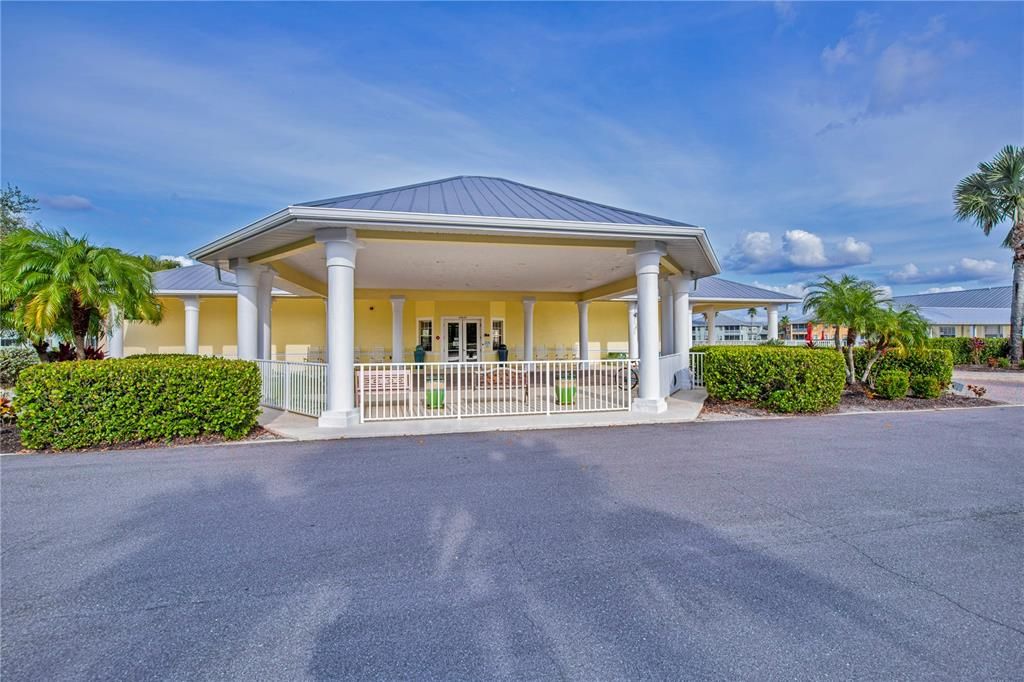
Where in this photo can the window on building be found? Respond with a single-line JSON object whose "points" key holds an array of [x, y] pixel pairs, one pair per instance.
{"points": [[993, 331], [731, 332], [946, 332], [426, 334], [497, 333]]}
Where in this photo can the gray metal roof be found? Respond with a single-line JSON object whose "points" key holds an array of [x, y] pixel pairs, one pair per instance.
{"points": [[712, 288], [992, 297], [198, 278], [725, 321], [475, 195], [937, 315]]}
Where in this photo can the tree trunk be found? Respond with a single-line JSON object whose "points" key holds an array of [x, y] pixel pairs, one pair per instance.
{"points": [[866, 378], [41, 350], [1017, 300], [79, 326], [851, 367], [835, 337]]}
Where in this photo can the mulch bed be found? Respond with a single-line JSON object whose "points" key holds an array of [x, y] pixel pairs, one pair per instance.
{"points": [[9, 442], [851, 401]]}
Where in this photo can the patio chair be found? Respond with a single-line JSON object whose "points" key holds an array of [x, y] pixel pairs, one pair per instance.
{"points": [[377, 354]]}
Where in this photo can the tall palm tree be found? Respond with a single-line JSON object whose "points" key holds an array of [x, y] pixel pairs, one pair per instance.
{"points": [[991, 196], [894, 329], [848, 302], [56, 283]]}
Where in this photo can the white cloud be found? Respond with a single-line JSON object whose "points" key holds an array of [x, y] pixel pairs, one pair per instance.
{"points": [[941, 290], [184, 261], [854, 250], [902, 73], [797, 289], [67, 202], [842, 53], [804, 249], [964, 269], [795, 250]]}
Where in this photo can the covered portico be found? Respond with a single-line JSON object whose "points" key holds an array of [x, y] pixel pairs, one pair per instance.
{"points": [[520, 248]]}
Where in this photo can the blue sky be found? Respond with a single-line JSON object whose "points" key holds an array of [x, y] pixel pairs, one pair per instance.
{"points": [[805, 137]]}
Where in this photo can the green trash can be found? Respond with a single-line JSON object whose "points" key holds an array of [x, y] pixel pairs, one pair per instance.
{"points": [[565, 391], [420, 355], [434, 393]]}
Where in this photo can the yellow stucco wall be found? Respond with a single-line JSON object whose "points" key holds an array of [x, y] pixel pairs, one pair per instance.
{"points": [[299, 325]]}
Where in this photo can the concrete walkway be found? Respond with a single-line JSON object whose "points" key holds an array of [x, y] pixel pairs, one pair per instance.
{"points": [[684, 406], [1007, 387]]}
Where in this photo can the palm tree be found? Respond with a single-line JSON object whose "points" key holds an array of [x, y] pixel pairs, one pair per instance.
{"points": [[847, 302], [891, 329], [56, 283], [784, 324], [991, 196]]}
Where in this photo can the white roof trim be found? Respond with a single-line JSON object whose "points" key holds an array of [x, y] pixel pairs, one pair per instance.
{"points": [[434, 222]]}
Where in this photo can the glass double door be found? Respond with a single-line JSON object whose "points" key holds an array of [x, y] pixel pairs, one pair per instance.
{"points": [[462, 339]]}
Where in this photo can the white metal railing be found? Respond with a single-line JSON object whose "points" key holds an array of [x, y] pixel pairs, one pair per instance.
{"points": [[437, 390], [697, 369], [294, 386]]}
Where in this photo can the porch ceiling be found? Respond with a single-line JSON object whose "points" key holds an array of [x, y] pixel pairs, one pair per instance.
{"points": [[480, 266]]}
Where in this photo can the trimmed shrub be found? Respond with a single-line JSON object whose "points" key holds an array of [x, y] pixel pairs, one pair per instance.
{"points": [[779, 379], [937, 363], [1003, 363], [960, 347], [923, 386], [69, 405], [892, 384], [12, 361]]}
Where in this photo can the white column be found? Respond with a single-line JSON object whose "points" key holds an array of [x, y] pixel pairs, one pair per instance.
{"points": [[397, 332], [340, 247], [709, 320], [247, 278], [682, 333], [665, 292], [647, 259], [773, 322], [582, 308], [191, 324], [528, 304], [631, 320], [115, 333], [264, 302]]}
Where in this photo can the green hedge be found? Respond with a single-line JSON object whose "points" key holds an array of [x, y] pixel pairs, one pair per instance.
{"points": [[892, 384], [13, 361], [960, 347], [780, 379], [923, 386], [67, 405], [931, 362]]}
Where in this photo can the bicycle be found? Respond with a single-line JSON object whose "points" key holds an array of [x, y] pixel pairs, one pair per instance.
{"points": [[627, 377]]}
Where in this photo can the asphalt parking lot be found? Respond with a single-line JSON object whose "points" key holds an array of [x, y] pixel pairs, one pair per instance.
{"points": [[884, 546]]}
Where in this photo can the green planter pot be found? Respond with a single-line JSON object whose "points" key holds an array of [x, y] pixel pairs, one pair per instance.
{"points": [[565, 391], [435, 394]]}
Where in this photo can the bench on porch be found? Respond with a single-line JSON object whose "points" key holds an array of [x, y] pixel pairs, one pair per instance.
{"points": [[504, 378], [386, 384]]}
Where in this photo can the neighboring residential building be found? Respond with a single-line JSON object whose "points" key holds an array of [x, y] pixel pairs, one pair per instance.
{"points": [[458, 267], [729, 329], [971, 312]]}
